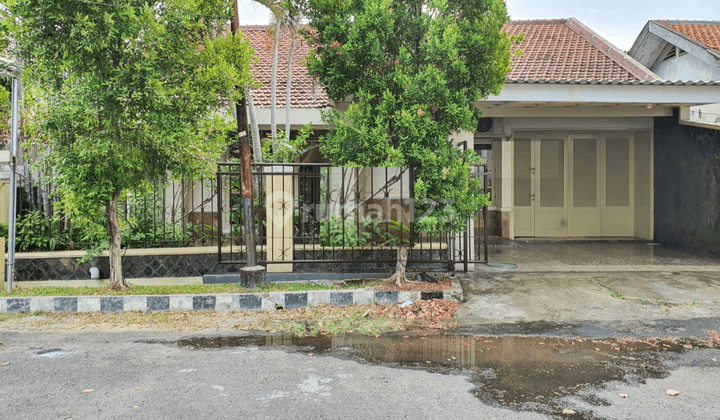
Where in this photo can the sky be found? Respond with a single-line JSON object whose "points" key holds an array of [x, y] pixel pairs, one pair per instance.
{"points": [[618, 21]]}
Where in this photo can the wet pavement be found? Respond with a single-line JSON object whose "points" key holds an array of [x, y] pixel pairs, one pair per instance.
{"points": [[505, 376], [634, 298], [538, 374], [592, 256]]}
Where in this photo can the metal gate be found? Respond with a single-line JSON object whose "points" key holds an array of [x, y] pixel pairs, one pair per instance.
{"points": [[315, 217]]}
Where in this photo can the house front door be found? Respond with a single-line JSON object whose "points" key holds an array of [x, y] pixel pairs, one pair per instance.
{"points": [[576, 185]]}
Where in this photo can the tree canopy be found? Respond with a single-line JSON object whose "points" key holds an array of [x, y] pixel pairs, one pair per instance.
{"points": [[412, 70], [125, 91]]}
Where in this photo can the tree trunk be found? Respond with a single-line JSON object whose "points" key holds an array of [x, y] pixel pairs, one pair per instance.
{"points": [[273, 86], [288, 92], [117, 282], [402, 256], [257, 144], [47, 210]]}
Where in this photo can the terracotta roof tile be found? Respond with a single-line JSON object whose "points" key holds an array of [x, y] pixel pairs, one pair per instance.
{"points": [[305, 92], [704, 32], [561, 50], [553, 50]]}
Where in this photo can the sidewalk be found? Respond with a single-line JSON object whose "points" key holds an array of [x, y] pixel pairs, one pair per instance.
{"points": [[633, 284]]}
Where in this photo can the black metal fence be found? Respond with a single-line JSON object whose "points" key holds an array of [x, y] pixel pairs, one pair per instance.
{"points": [[314, 217], [166, 213], [171, 214]]}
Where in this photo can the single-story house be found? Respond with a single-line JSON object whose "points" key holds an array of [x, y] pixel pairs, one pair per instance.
{"points": [[571, 139]]}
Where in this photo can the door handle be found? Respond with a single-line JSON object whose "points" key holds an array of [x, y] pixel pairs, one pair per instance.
{"points": [[532, 197]]}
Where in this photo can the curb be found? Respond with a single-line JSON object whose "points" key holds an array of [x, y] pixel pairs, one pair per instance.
{"points": [[267, 301]]}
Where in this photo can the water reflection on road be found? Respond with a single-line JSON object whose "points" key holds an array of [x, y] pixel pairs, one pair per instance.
{"points": [[515, 371]]}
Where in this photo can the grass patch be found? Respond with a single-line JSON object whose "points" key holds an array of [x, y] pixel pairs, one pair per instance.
{"points": [[617, 295], [189, 289]]}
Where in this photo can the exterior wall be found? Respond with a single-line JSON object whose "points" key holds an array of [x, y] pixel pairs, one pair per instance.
{"points": [[494, 224], [686, 67], [687, 186]]}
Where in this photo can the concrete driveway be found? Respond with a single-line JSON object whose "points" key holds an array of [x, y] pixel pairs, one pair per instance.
{"points": [[632, 284]]}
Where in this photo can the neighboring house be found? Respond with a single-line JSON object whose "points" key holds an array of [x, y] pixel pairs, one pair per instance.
{"points": [[683, 50], [687, 145], [570, 138], [308, 96]]}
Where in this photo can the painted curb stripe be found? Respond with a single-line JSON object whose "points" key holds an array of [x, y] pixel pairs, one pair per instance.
{"points": [[241, 301]]}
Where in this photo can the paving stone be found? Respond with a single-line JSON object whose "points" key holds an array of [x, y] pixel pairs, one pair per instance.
{"points": [[319, 297], [158, 303], [135, 303], [295, 300], [65, 304], [341, 298], [277, 297], [18, 305], [181, 303], [268, 305], [112, 304], [88, 304], [42, 304], [363, 297], [226, 303], [404, 296], [203, 302], [386, 298], [250, 302], [431, 295]]}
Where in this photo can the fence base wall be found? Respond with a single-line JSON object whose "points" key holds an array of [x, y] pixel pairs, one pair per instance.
{"points": [[181, 265]]}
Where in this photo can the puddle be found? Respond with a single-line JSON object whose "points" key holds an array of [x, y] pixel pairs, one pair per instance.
{"points": [[519, 372]]}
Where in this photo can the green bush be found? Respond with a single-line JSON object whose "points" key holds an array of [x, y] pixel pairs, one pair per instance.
{"points": [[35, 232]]}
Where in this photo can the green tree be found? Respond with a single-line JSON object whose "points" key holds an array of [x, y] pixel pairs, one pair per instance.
{"points": [[412, 70], [4, 115], [126, 91]]}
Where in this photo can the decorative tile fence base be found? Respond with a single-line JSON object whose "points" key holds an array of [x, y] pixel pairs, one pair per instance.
{"points": [[184, 263], [221, 302]]}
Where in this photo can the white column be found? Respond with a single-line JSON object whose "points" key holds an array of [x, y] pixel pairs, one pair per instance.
{"points": [[507, 221]]}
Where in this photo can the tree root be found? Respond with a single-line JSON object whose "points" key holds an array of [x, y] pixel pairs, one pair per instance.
{"points": [[399, 277]]}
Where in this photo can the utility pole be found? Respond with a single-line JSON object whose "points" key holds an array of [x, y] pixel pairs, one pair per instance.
{"points": [[251, 275]]}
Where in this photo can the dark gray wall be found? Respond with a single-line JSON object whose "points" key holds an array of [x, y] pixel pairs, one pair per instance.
{"points": [[687, 186]]}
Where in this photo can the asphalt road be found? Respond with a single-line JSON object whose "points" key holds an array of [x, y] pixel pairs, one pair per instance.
{"points": [[137, 376]]}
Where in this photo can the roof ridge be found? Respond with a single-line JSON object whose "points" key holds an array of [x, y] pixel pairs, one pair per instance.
{"points": [[620, 57], [686, 22], [525, 21]]}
